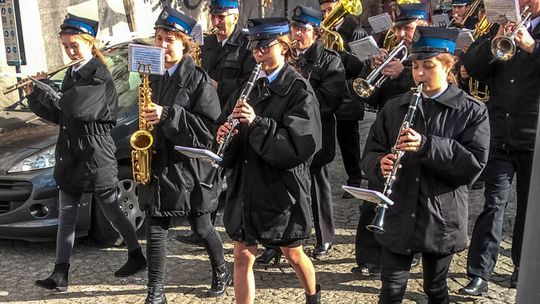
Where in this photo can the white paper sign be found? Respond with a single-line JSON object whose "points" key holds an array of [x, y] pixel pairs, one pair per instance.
{"points": [[380, 23], [464, 39], [441, 20], [197, 34], [499, 11], [146, 59], [365, 48]]}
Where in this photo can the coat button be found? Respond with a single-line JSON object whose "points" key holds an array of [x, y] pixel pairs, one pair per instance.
{"points": [[511, 80], [63, 127], [417, 179], [507, 114], [413, 215], [60, 158], [408, 251]]}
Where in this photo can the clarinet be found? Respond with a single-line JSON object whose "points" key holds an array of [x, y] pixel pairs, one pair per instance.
{"points": [[377, 225], [208, 181]]}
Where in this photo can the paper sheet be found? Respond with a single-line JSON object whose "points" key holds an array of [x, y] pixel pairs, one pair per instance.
{"points": [[499, 11], [380, 23], [144, 57], [441, 20], [203, 154], [368, 195], [365, 48]]}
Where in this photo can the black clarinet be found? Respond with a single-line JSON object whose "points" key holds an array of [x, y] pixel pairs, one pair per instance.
{"points": [[208, 181], [377, 225]]}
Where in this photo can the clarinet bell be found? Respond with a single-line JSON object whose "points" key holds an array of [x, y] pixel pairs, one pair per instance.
{"points": [[377, 224]]}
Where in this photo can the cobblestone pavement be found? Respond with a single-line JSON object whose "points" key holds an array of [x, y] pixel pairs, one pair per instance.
{"points": [[189, 274]]}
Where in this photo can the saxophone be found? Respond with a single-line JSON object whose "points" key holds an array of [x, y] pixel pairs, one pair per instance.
{"points": [[141, 140]]}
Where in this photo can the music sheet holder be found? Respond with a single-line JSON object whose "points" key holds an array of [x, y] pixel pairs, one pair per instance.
{"points": [[369, 195], [203, 154]]}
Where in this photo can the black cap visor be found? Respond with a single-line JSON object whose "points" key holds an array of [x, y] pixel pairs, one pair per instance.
{"points": [[253, 44], [405, 21]]}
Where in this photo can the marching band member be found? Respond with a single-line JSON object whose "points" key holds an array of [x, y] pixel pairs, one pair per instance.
{"points": [[446, 149], [267, 162], [513, 113], [185, 105], [459, 10], [325, 72], [227, 61], [85, 161], [350, 111], [400, 80]]}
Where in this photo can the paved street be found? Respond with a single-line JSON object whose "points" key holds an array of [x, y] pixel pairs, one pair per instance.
{"points": [[189, 272]]}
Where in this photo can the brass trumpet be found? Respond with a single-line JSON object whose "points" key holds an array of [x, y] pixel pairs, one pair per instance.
{"points": [[27, 81], [504, 47], [365, 87]]}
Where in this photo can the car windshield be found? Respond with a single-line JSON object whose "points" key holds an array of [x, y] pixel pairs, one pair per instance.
{"points": [[126, 82]]}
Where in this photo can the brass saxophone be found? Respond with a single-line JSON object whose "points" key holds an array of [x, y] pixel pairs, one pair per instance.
{"points": [[141, 140]]}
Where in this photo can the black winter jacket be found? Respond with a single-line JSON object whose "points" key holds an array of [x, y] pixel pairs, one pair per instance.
{"points": [[86, 113], [514, 92], [326, 74], [430, 192], [267, 163], [230, 65], [190, 107]]}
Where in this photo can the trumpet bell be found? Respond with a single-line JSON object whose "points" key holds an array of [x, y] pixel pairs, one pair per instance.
{"points": [[362, 87], [141, 140], [503, 48]]}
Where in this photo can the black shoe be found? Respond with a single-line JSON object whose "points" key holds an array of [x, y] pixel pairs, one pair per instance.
{"points": [[270, 257], [367, 270], [321, 250], [316, 298], [156, 295], [476, 287], [136, 263], [58, 280], [190, 238], [514, 278], [221, 278]]}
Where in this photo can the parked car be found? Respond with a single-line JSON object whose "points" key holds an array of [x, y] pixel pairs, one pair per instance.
{"points": [[28, 193]]}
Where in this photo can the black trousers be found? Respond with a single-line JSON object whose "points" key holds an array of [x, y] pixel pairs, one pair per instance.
{"points": [[366, 247], [395, 271], [349, 144], [487, 233], [321, 205], [156, 249]]}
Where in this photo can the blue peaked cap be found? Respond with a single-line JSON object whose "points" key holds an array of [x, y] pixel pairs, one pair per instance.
{"points": [[303, 15], [172, 20], [431, 41], [407, 13], [78, 25], [220, 6], [265, 30]]}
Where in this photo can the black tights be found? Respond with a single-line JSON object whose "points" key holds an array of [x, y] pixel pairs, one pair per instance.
{"points": [[156, 248]]}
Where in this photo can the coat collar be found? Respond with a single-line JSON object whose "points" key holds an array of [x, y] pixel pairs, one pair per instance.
{"points": [[183, 72], [453, 97], [284, 81]]}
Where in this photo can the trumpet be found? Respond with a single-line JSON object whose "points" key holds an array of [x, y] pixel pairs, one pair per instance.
{"points": [[27, 81], [365, 87], [473, 8], [377, 225], [504, 47], [208, 181]]}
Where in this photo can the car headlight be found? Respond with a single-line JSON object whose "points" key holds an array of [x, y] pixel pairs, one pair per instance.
{"points": [[41, 160]]}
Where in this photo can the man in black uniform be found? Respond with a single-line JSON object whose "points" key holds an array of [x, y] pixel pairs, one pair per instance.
{"points": [[351, 110], [399, 81], [459, 9], [513, 115], [227, 61], [325, 72]]}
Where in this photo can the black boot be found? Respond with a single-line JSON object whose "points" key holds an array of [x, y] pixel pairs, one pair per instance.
{"points": [[58, 280], [270, 256], [156, 295], [136, 262], [221, 277], [316, 298]]}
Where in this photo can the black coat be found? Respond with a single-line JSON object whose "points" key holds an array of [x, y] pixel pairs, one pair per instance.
{"points": [[267, 164], [190, 107], [230, 65], [352, 107], [514, 92], [86, 113], [326, 74], [430, 192]]}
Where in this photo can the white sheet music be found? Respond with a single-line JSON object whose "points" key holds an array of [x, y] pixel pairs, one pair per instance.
{"points": [[365, 48], [380, 22], [203, 154], [498, 11], [441, 20], [197, 34], [464, 39], [368, 195], [144, 55]]}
